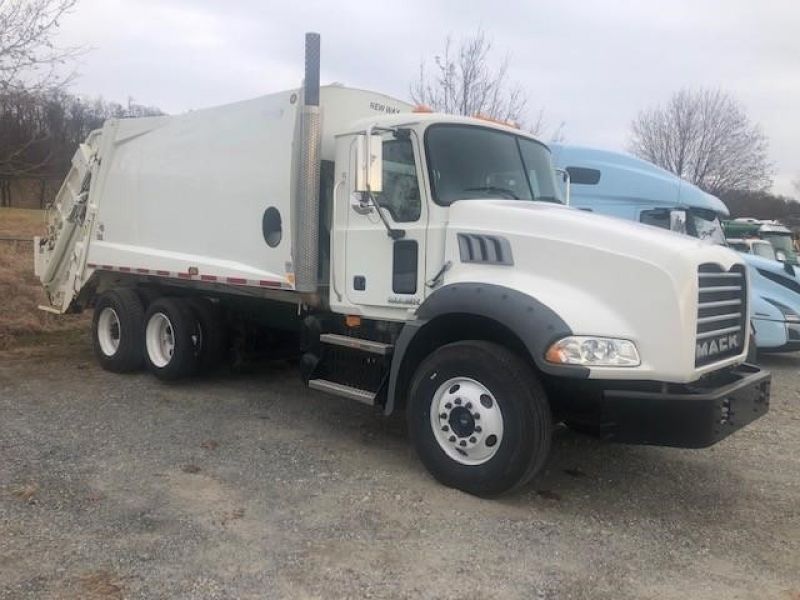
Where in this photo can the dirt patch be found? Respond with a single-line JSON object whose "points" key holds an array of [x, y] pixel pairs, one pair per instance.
{"points": [[100, 584], [25, 492]]}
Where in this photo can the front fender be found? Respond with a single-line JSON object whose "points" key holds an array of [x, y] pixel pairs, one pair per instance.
{"points": [[533, 322]]}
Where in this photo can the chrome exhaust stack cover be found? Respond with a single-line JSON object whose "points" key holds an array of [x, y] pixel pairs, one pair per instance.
{"points": [[305, 234]]}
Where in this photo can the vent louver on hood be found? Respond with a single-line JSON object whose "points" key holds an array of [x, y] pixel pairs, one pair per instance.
{"points": [[487, 249]]}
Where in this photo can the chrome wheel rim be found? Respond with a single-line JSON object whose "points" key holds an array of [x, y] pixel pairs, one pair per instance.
{"points": [[160, 340], [466, 421], [108, 331]]}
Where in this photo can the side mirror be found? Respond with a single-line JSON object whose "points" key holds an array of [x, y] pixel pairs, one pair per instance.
{"points": [[563, 176], [780, 255], [369, 163], [677, 221]]}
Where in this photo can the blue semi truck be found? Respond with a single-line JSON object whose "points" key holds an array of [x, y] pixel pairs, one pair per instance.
{"points": [[617, 184]]}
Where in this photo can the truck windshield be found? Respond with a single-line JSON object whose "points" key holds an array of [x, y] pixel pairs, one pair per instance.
{"points": [[468, 162], [696, 222], [705, 225], [764, 249], [781, 242]]}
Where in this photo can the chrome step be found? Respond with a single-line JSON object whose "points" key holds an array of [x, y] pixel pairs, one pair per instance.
{"points": [[356, 343], [338, 389]]}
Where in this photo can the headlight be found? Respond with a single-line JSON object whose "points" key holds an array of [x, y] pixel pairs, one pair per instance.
{"points": [[593, 351]]}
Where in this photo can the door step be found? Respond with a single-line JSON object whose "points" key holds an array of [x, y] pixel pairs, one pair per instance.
{"points": [[339, 389], [356, 343]]}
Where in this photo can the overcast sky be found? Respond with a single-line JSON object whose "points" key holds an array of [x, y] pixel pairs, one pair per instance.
{"points": [[590, 64]]}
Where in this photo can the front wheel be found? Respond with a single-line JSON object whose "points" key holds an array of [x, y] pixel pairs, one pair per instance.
{"points": [[479, 418]]}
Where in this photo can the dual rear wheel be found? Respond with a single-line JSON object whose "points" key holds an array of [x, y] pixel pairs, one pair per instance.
{"points": [[173, 337]]}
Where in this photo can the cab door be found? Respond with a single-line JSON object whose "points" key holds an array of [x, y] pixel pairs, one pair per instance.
{"points": [[383, 272]]}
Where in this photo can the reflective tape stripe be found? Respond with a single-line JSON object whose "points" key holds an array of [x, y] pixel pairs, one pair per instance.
{"points": [[187, 276]]}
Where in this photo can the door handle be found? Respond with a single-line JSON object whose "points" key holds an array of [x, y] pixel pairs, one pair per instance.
{"points": [[358, 204]]}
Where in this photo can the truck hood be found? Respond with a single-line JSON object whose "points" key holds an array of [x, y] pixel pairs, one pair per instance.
{"points": [[601, 275], [770, 281], [574, 226]]}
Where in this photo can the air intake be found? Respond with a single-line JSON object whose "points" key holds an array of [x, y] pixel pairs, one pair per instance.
{"points": [[722, 313], [487, 249]]}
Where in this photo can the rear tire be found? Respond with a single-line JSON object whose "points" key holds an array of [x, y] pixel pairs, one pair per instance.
{"points": [[169, 339], [212, 333], [493, 433], [118, 331]]}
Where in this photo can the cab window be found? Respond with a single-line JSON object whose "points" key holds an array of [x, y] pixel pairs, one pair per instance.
{"points": [[400, 195]]}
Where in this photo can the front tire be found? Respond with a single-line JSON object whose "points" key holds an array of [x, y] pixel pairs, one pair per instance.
{"points": [[118, 331], [169, 339], [479, 418]]}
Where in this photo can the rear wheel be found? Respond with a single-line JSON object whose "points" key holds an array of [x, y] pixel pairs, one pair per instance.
{"points": [[118, 331], [170, 337], [211, 341], [479, 418]]}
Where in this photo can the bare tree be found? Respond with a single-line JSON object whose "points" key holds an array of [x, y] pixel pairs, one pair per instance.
{"points": [[40, 131], [465, 80], [29, 59], [705, 137], [31, 64]]}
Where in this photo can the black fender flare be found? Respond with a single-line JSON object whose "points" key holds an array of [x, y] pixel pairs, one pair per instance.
{"points": [[536, 324]]}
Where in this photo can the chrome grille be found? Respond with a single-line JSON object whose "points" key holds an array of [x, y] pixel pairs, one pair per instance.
{"points": [[721, 313]]}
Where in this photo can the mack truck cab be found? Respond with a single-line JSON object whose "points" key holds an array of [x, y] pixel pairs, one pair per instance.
{"points": [[621, 185], [423, 262]]}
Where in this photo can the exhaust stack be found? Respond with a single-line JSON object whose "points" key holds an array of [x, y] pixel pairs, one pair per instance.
{"points": [[305, 234]]}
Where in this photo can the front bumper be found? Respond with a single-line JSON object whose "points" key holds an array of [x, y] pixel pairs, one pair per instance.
{"points": [[691, 416]]}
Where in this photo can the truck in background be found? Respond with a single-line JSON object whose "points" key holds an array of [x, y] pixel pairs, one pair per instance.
{"points": [[621, 185], [755, 246], [421, 261], [774, 232]]}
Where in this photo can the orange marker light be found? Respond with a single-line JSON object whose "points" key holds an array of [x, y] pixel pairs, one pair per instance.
{"points": [[554, 355], [493, 120]]}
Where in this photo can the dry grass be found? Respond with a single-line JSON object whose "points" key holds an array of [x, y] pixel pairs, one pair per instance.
{"points": [[21, 222], [21, 322], [100, 584], [26, 492]]}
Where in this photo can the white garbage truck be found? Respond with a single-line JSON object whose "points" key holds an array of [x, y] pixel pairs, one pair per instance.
{"points": [[418, 261]]}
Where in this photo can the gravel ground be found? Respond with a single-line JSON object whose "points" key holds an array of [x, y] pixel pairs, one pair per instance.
{"points": [[253, 487]]}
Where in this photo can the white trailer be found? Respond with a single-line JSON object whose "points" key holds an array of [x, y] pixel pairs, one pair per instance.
{"points": [[419, 261]]}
